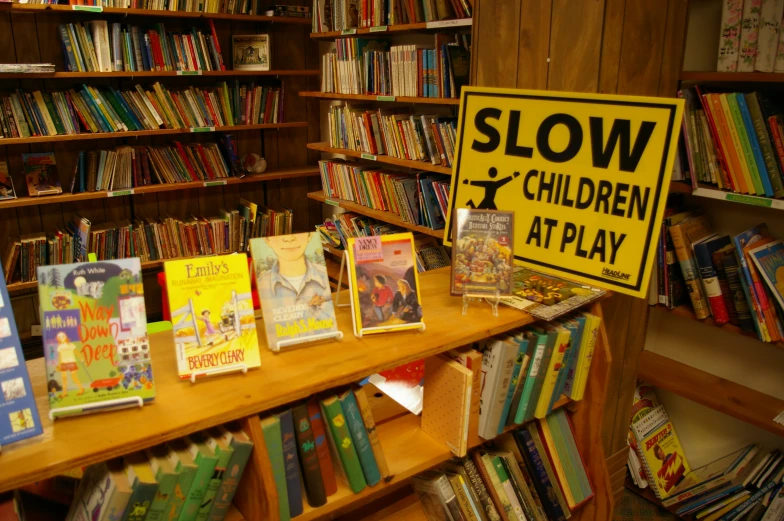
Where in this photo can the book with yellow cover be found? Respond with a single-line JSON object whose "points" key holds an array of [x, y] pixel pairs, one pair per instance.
{"points": [[551, 376], [384, 283], [212, 313], [660, 452]]}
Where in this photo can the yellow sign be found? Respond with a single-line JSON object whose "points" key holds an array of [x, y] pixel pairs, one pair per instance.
{"points": [[587, 176]]}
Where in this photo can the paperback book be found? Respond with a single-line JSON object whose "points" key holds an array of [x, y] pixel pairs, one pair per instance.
{"points": [[6, 183], [95, 333], [482, 258], [41, 174], [293, 286], [769, 259], [212, 313]]}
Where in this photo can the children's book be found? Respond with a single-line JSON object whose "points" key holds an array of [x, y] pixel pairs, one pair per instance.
{"points": [[6, 183], [769, 259], [95, 332], [384, 282], [212, 313], [293, 286], [482, 258], [18, 414], [41, 174], [547, 297], [660, 452]]}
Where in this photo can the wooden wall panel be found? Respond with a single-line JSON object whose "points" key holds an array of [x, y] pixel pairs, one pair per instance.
{"points": [[533, 53], [612, 32], [575, 45], [495, 43], [643, 41]]}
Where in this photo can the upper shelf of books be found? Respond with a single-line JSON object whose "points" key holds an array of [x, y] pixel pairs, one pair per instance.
{"points": [[731, 77], [282, 378], [438, 25]]}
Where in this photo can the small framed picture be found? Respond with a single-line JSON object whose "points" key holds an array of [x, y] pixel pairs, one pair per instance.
{"points": [[251, 52]]}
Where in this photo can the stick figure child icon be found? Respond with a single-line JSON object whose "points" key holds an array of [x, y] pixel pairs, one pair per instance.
{"points": [[491, 189]]}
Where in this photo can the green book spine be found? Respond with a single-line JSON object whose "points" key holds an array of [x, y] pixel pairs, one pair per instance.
{"points": [[531, 373], [224, 453], [185, 476], [565, 459], [159, 506], [206, 460], [231, 478], [550, 344], [58, 123], [141, 498], [344, 445], [565, 430], [737, 119], [272, 439]]}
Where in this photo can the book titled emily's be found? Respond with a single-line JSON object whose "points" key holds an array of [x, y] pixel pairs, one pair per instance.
{"points": [[293, 287], [95, 333], [212, 313], [482, 260]]}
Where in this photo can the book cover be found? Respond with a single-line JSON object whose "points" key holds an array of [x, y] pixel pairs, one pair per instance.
{"points": [[293, 287], [19, 418], [660, 452], [766, 299], [322, 448], [95, 332], [306, 447], [144, 486], [211, 313], [384, 282], [344, 446], [447, 402], [251, 52], [41, 174], [359, 435], [769, 259], [205, 458], [482, 258], [740, 242], [370, 427], [472, 359], [270, 427], [242, 447], [6, 183], [291, 463]]}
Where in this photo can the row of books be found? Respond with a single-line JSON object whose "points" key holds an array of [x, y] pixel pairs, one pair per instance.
{"points": [[535, 473], [315, 442], [149, 239], [186, 479], [734, 141], [364, 66], [750, 38], [348, 14], [89, 47], [731, 278], [422, 137], [418, 199], [250, 7], [111, 110]]}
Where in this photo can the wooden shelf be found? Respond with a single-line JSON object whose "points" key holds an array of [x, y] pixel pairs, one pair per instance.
{"points": [[731, 77], [408, 163], [680, 187], [140, 133], [284, 173], [687, 312], [381, 215], [334, 251], [399, 28], [50, 9], [409, 451], [648, 495], [373, 97], [153, 74], [712, 391], [181, 408]]}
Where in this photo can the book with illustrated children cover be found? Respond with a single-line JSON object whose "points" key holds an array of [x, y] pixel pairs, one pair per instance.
{"points": [[95, 333], [41, 174], [482, 258], [384, 282], [293, 286], [18, 413], [212, 313]]}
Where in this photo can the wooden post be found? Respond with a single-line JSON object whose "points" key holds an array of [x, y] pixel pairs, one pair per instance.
{"points": [[257, 497]]}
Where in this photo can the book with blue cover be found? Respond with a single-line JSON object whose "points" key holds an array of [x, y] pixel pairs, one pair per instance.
{"points": [[19, 418]]}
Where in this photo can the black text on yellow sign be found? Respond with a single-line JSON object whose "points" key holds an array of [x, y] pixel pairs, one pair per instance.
{"points": [[587, 176]]}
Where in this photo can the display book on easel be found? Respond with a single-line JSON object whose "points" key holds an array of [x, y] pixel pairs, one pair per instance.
{"points": [[95, 336]]}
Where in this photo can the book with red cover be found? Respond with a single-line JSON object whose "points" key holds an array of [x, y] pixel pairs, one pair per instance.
{"points": [[703, 254], [322, 449]]}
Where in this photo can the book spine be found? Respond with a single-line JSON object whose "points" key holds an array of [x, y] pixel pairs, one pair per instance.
{"points": [[272, 440], [729, 47], [344, 445], [199, 487], [766, 148], [689, 271], [759, 162], [370, 427], [359, 435], [551, 375], [710, 282], [749, 503], [513, 385], [768, 38], [306, 446], [475, 480], [748, 35], [534, 367], [291, 459], [541, 479], [745, 145]]}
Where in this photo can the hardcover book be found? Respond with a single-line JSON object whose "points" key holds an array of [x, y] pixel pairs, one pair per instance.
{"points": [[293, 287], [95, 332], [356, 426], [769, 259], [41, 174], [212, 313], [384, 282], [447, 407], [731, 13], [242, 447], [482, 258], [6, 183], [306, 447], [291, 463], [273, 441], [322, 447], [206, 460]]}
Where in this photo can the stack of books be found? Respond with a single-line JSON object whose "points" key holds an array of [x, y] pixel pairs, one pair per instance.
{"points": [[337, 16], [91, 47], [419, 199], [334, 435], [751, 39], [90, 109], [186, 478], [422, 137], [364, 66]]}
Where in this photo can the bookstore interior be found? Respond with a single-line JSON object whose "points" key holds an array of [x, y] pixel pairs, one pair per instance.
{"points": [[376, 260]]}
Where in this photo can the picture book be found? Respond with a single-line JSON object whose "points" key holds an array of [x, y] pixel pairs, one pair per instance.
{"points": [[41, 174], [769, 259], [18, 413], [660, 452], [251, 52], [6, 183], [482, 258], [95, 332], [384, 283], [547, 297], [212, 313], [293, 286]]}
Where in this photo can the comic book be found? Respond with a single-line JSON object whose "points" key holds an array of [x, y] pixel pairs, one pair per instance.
{"points": [[95, 332], [212, 313], [293, 286], [384, 282], [547, 297], [482, 257]]}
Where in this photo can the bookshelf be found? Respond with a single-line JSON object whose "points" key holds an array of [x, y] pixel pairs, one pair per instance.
{"points": [[389, 160], [731, 77], [373, 97], [152, 74], [384, 30]]}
